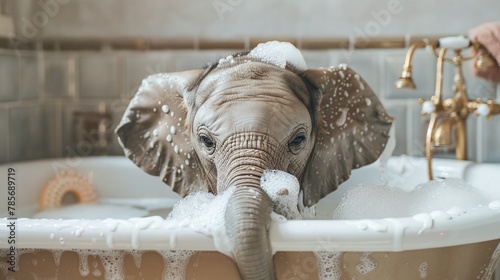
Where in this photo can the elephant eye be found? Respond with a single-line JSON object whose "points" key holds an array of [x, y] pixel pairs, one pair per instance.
{"points": [[296, 143], [207, 142]]}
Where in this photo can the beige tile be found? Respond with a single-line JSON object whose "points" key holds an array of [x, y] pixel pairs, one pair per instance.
{"points": [[32, 132], [9, 77], [99, 76], [30, 84], [58, 75], [423, 69], [4, 135]]}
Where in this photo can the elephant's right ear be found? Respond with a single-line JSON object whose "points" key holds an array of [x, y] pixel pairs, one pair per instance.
{"points": [[153, 133]]}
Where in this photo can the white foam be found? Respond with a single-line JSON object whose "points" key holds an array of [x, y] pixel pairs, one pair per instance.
{"points": [[279, 54], [328, 265], [376, 202], [422, 269], [386, 154], [175, 264], [283, 189], [205, 213], [112, 262], [366, 264]]}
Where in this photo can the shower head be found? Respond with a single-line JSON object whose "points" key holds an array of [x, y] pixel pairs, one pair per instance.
{"points": [[405, 83], [406, 80]]}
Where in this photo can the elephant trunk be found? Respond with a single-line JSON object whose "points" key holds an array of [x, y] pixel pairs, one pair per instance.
{"points": [[248, 214], [247, 223]]}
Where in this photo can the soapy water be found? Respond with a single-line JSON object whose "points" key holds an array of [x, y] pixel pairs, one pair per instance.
{"points": [[204, 212], [377, 202], [449, 197], [386, 155], [200, 211]]}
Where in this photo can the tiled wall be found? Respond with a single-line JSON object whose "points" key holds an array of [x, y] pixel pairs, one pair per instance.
{"points": [[40, 91], [229, 19]]}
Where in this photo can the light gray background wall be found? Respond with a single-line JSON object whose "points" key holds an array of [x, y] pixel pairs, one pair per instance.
{"points": [[244, 18]]}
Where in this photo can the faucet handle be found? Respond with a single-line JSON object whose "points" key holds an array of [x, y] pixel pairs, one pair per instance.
{"points": [[428, 107], [454, 42], [488, 109], [482, 110]]}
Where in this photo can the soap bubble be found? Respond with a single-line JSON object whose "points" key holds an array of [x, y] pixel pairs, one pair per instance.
{"points": [[376, 202]]}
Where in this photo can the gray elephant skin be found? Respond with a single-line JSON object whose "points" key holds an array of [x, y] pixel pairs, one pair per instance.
{"points": [[208, 129]]}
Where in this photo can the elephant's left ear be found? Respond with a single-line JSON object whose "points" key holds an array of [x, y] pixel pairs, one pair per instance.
{"points": [[353, 129]]}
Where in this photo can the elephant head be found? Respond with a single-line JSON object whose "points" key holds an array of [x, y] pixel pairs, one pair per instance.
{"points": [[208, 129]]}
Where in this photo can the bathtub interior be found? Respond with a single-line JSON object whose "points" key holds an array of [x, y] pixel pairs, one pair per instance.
{"points": [[118, 181]]}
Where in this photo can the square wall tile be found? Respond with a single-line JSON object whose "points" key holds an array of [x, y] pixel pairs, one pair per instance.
{"points": [[4, 136], [417, 129], [472, 128], [99, 76], [9, 76], [188, 60], [316, 59], [32, 132], [140, 66], [489, 140], [477, 87], [423, 70], [29, 76], [367, 64], [74, 141], [59, 72], [400, 114]]}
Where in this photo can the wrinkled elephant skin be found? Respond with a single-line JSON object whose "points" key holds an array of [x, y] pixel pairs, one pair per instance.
{"points": [[208, 129]]}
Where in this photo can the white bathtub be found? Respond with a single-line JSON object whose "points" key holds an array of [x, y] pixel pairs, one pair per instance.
{"points": [[116, 179]]}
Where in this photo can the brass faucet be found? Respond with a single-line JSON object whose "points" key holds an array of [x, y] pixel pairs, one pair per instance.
{"points": [[448, 117]]}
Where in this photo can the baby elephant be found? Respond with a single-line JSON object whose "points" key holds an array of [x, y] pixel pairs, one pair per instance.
{"points": [[209, 129]]}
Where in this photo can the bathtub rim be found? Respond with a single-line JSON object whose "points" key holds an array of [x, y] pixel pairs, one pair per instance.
{"points": [[152, 233]]}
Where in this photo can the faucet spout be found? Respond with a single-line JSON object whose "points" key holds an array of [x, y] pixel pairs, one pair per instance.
{"points": [[442, 136], [451, 131]]}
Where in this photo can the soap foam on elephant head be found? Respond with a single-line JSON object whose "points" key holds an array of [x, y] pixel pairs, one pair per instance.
{"points": [[223, 126], [279, 54]]}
